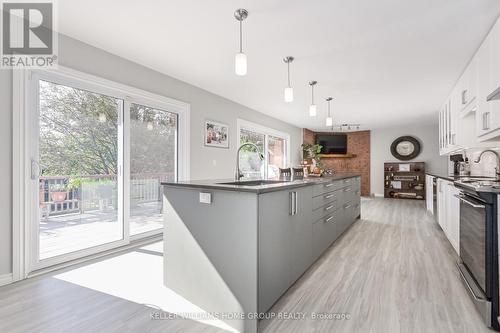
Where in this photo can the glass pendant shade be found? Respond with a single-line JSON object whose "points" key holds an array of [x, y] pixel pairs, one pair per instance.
{"points": [[329, 121], [288, 94], [313, 110], [240, 64]]}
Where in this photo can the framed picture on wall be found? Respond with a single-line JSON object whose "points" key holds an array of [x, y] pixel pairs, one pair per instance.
{"points": [[216, 134]]}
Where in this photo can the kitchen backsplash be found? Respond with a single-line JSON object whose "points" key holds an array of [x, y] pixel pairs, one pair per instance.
{"points": [[484, 168]]}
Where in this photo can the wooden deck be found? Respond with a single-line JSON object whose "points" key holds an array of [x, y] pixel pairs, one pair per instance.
{"points": [[72, 232]]}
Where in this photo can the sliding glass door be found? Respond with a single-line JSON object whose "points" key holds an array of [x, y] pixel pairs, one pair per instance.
{"points": [[96, 157], [79, 149], [153, 159]]}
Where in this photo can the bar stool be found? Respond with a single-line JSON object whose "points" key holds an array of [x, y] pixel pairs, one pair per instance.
{"points": [[285, 174]]}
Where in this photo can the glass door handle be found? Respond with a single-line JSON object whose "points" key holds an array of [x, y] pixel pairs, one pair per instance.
{"points": [[36, 170]]}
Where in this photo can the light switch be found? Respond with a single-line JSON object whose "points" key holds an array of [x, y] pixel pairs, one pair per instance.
{"points": [[205, 198]]}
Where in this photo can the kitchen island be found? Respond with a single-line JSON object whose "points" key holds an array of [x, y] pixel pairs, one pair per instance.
{"points": [[234, 249]]}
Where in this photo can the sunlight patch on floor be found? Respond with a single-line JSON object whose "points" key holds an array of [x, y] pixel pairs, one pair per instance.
{"points": [[137, 277]]}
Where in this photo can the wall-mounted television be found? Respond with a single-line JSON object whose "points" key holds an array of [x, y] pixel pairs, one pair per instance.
{"points": [[332, 143]]}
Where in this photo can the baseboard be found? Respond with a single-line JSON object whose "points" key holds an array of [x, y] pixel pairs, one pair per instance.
{"points": [[6, 279], [377, 195]]}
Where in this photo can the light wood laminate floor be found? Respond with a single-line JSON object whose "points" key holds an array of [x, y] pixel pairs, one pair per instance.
{"points": [[392, 271]]}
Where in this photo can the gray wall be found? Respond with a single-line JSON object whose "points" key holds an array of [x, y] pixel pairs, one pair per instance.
{"points": [[6, 171], [381, 140], [204, 105]]}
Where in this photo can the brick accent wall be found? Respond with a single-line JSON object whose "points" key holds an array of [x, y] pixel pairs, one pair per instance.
{"points": [[358, 143]]}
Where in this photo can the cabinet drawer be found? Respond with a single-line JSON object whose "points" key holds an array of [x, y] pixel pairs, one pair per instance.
{"points": [[321, 189], [356, 210], [345, 195], [347, 181], [324, 199], [324, 210], [356, 184], [346, 216], [355, 196], [325, 231]]}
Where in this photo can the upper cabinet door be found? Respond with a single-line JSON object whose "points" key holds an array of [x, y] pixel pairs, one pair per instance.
{"points": [[467, 89], [454, 107], [494, 48], [440, 120], [483, 114], [494, 82]]}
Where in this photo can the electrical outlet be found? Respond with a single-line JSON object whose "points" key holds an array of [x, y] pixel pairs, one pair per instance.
{"points": [[205, 198]]}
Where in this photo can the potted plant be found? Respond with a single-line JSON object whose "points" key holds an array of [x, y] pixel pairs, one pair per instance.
{"points": [[58, 192], [311, 153]]}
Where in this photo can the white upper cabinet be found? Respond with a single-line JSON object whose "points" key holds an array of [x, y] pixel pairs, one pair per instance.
{"points": [[494, 105], [494, 47], [467, 89], [456, 122], [488, 115], [466, 119], [483, 113]]}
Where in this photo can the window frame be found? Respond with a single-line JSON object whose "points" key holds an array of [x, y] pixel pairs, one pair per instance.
{"points": [[25, 98], [266, 131]]}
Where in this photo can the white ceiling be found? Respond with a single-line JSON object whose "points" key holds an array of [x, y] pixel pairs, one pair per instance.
{"points": [[385, 62]]}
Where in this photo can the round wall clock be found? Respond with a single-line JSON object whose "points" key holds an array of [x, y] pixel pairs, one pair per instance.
{"points": [[405, 148]]}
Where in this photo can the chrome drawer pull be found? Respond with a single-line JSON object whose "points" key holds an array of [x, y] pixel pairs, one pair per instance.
{"points": [[329, 185], [329, 196], [348, 206], [329, 219], [347, 189], [347, 181], [329, 207]]}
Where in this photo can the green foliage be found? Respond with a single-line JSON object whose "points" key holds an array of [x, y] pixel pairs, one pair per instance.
{"points": [[74, 183], [310, 151], [79, 134], [78, 131], [252, 137], [58, 188]]}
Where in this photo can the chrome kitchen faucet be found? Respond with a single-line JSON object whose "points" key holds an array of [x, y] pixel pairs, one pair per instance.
{"points": [[497, 168], [238, 173]]}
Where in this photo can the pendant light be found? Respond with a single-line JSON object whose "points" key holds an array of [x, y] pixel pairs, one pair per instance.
{"points": [[240, 60], [288, 89], [313, 110], [329, 118]]}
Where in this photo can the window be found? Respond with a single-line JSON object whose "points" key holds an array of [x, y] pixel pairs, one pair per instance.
{"points": [[78, 154], [153, 159], [97, 152], [273, 144]]}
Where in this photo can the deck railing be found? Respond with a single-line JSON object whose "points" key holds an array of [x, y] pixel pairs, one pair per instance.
{"points": [[98, 192]]}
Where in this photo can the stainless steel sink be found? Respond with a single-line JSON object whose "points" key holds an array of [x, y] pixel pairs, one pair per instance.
{"points": [[255, 182]]}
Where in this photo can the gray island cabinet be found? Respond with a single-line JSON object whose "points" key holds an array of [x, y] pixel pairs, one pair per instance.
{"points": [[237, 249]]}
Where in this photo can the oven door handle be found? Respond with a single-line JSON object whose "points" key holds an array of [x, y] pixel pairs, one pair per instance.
{"points": [[462, 198], [469, 287]]}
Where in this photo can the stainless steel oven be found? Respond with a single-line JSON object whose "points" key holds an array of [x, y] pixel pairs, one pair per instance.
{"points": [[476, 252], [473, 237]]}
